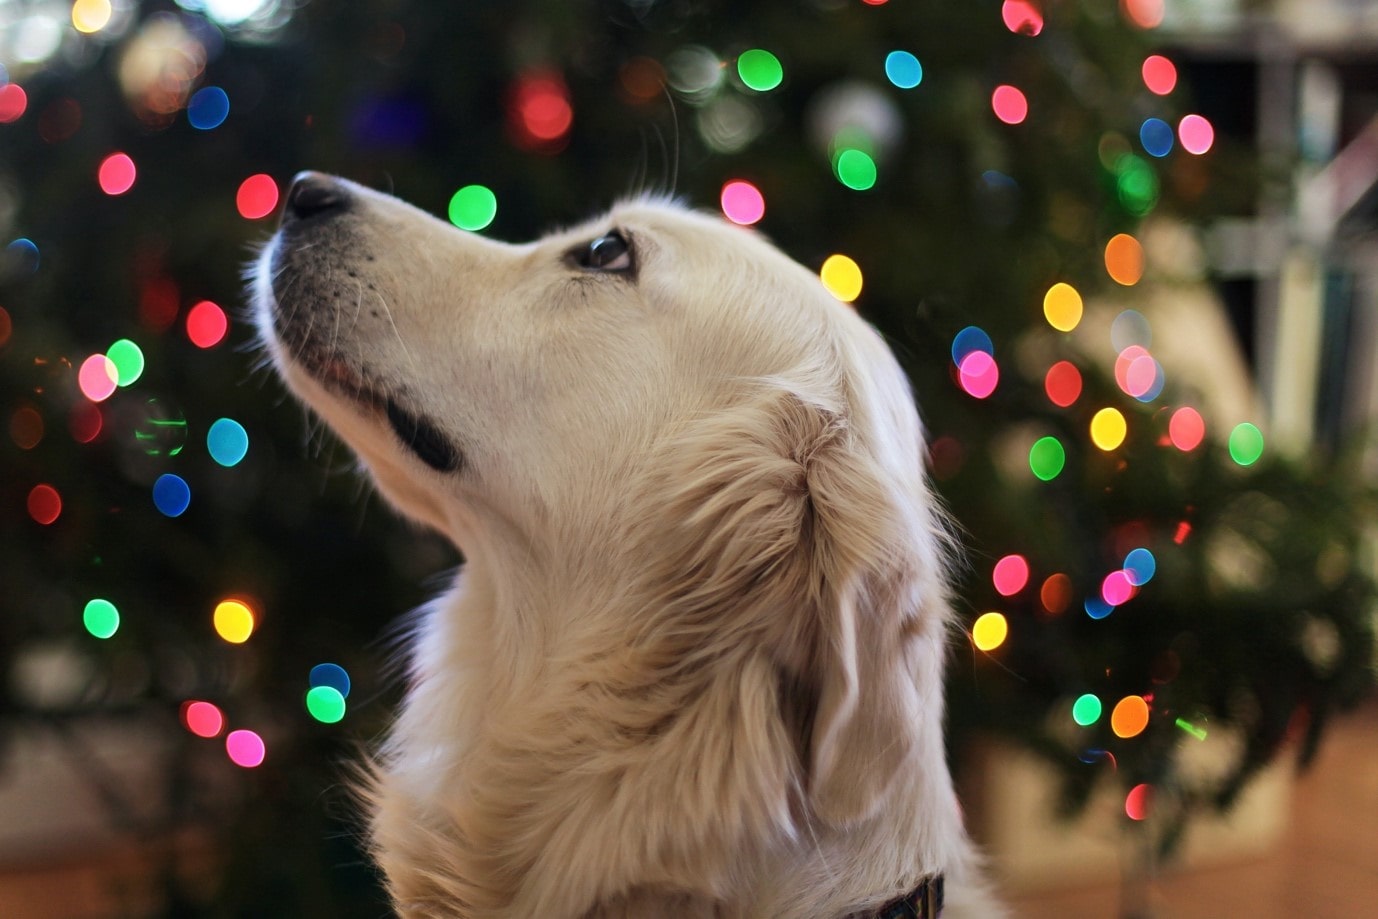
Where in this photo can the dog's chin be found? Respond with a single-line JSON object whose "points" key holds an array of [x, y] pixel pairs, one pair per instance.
{"points": [[343, 383]]}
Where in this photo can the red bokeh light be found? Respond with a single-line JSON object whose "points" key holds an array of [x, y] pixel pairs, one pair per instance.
{"points": [[13, 102], [116, 174], [1160, 74], [1009, 104], [540, 113], [45, 504], [1063, 384], [206, 324], [203, 719], [257, 196]]}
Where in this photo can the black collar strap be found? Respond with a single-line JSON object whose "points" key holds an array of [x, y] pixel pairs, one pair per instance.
{"points": [[925, 902]]}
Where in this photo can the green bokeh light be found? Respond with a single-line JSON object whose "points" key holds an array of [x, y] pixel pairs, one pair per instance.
{"points": [[855, 169], [325, 703], [128, 359], [101, 618], [1246, 444], [1137, 184], [1086, 710], [760, 70], [1047, 457], [473, 207]]}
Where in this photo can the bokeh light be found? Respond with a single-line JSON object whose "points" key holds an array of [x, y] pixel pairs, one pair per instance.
{"points": [[760, 70], [171, 494], [206, 324], [1157, 137], [257, 197], [1136, 184], [101, 618], [1010, 575], [541, 114], [13, 102], [85, 422], [1062, 306], [1097, 608], [44, 503], [1140, 566], [989, 631], [1108, 428], [208, 108], [1160, 74], [227, 441], [1146, 14], [1130, 328], [1022, 17], [203, 718], [903, 69], [6, 326], [1129, 717], [1117, 589], [97, 377], [1056, 594], [1186, 429], [1047, 457], [855, 169], [1138, 801], [842, 277], [1141, 376], [116, 174], [325, 703], [22, 255], [1196, 134], [128, 360], [1009, 104], [972, 338], [1062, 384], [473, 207], [332, 675], [742, 202], [26, 427], [1124, 259], [1086, 710], [978, 374], [245, 748], [1246, 444], [233, 621]]}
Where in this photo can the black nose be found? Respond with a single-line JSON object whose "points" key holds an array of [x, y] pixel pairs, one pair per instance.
{"points": [[313, 193]]}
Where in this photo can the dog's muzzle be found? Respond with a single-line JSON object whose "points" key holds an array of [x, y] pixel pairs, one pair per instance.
{"points": [[311, 219]]}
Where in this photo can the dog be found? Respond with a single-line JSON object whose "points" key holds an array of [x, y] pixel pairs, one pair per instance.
{"points": [[692, 666]]}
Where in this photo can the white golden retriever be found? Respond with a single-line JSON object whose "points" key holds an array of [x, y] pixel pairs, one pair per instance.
{"points": [[693, 665]]}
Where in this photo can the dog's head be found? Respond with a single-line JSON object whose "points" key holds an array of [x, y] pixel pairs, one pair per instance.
{"points": [[659, 397]]}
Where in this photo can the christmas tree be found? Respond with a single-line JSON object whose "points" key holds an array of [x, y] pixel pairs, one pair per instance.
{"points": [[186, 557]]}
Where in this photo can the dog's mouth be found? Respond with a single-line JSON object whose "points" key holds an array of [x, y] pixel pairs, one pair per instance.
{"points": [[418, 434]]}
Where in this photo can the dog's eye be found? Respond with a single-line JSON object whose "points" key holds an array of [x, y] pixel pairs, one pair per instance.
{"points": [[609, 252]]}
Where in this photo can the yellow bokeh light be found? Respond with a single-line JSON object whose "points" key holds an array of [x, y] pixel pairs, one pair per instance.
{"points": [[1124, 259], [234, 621], [842, 277], [1108, 428], [1130, 717], [1062, 307], [990, 631], [90, 15]]}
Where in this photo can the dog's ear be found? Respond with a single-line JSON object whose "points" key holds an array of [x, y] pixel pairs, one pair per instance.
{"points": [[800, 536], [874, 553]]}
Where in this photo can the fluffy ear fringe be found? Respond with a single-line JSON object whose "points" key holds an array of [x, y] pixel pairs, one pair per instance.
{"points": [[790, 535]]}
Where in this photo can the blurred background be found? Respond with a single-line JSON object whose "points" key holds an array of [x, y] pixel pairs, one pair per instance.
{"points": [[1126, 251]]}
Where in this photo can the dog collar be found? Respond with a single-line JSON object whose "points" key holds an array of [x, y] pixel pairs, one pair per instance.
{"points": [[924, 902]]}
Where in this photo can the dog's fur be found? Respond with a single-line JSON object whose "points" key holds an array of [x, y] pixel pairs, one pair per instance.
{"points": [[693, 666]]}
